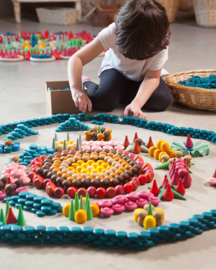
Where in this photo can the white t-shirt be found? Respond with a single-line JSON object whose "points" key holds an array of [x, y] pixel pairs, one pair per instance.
{"points": [[132, 69]]}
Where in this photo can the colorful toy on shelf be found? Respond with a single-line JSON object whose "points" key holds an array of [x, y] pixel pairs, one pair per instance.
{"points": [[98, 134], [10, 57], [9, 146], [35, 45], [42, 58], [136, 146], [196, 149], [212, 180], [149, 217], [41, 206], [168, 192], [161, 148], [67, 53]]}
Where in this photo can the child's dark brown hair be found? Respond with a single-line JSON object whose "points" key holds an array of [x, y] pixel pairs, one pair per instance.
{"points": [[142, 29]]}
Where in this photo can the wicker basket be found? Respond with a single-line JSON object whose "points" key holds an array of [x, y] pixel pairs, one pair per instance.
{"points": [[194, 97], [205, 11], [171, 8], [104, 16], [185, 5]]}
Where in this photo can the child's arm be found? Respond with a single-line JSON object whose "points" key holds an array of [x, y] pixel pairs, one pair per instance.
{"points": [[147, 87], [75, 67]]}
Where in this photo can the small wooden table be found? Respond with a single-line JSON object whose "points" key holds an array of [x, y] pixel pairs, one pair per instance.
{"points": [[17, 6]]}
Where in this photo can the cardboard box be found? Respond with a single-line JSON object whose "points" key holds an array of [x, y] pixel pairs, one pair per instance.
{"points": [[60, 101], [54, 15]]}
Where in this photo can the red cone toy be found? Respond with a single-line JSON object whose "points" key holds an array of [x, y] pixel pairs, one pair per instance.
{"points": [[168, 194], [180, 188], [136, 149], [135, 137], [187, 180], [10, 219], [154, 189], [188, 143], [150, 143], [126, 142], [175, 179], [214, 175], [165, 182]]}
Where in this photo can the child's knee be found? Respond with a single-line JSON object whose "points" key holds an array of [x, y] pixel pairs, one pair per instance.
{"points": [[104, 106]]}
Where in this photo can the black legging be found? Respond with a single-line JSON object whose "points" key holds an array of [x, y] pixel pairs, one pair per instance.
{"points": [[114, 89]]}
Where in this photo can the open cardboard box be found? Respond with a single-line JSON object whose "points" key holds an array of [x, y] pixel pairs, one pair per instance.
{"points": [[60, 101]]}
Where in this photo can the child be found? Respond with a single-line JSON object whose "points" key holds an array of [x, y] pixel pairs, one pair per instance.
{"points": [[130, 72]]}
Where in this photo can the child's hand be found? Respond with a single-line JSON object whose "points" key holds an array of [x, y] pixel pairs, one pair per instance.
{"points": [[135, 109], [81, 100]]}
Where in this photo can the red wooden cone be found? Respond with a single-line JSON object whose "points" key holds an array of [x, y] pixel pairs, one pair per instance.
{"points": [[180, 188], [126, 142], [8, 183], [165, 182], [188, 143], [165, 177], [150, 143], [10, 219], [154, 189], [175, 179], [168, 194], [214, 175], [187, 180], [172, 168], [135, 137], [136, 149]]}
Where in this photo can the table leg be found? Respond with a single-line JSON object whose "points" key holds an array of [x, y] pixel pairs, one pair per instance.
{"points": [[17, 11], [79, 7]]}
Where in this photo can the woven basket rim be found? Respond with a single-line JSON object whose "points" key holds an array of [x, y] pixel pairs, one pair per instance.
{"points": [[173, 84]]}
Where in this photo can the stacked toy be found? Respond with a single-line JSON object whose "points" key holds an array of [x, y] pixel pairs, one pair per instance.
{"points": [[102, 145], [149, 217], [136, 146], [72, 124], [129, 202], [168, 192], [21, 131], [67, 144], [196, 149], [161, 148], [9, 147], [78, 210], [212, 180], [9, 217], [98, 134], [41, 206], [15, 171]]}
